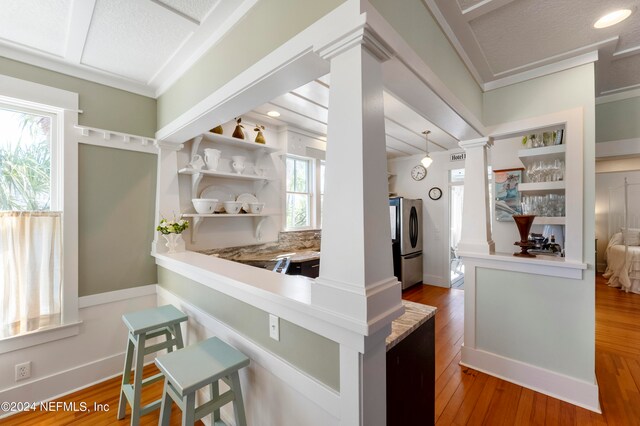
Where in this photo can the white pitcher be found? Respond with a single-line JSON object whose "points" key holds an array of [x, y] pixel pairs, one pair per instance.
{"points": [[197, 162], [212, 158], [238, 163]]}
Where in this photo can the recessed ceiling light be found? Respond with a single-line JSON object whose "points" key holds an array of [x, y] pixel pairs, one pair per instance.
{"points": [[612, 18], [273, 114]]}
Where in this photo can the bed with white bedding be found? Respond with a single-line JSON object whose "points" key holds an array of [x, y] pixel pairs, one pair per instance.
{"points": [[623, 262]]}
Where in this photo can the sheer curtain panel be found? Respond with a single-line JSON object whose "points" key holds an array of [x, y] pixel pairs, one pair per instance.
{"points": [[31, 275]]}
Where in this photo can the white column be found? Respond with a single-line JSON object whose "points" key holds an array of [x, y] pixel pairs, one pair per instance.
{"points": [[356, 272], [167, 198], [476, 216]]}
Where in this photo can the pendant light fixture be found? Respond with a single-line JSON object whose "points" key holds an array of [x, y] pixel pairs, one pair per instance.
{"points": [[427, 160]]}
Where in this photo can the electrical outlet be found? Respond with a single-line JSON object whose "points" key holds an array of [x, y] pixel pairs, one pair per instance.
{"points": [[274, 327], [23, 371]]}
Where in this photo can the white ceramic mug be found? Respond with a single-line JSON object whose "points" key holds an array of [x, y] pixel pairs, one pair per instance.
{"points": [[197, 162], [238, 163], [212, 157]]}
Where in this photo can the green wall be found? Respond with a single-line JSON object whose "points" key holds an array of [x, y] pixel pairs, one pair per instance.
{"points": [[544, 321], [618, 120], [104, 107], [269, 24], [116, 190], [414, 22], [315, 355]]}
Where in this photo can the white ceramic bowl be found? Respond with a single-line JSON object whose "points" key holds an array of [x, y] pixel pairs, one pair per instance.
{"points": [[205, 205], [256, 208], [232, 207]]}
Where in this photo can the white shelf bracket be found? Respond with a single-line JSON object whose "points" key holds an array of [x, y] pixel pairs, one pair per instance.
{"points": [[257, 223], [195, 146], [195, 224], [195, 181]]}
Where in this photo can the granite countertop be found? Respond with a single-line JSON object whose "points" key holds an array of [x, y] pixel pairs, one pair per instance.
{"points": [[415, 314], [300, 246]]}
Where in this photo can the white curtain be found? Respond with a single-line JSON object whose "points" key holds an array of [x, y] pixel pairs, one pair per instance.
{"points": [[31, 271]]}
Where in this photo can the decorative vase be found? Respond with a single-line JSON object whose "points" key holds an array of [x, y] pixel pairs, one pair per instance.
{"points": [[212, 158], [524, 222], [217, 130], [238, 133], [174, 242], [260, 137], [238, 163]]}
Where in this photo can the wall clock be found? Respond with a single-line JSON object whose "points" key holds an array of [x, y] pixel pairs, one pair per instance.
{"points": [[435, 193], [418, 172]]}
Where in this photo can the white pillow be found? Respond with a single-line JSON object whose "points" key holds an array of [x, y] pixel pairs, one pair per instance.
{"points": [[632, 237]]}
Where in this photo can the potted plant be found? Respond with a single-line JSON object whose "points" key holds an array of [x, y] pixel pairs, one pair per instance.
{"points": [[172, 232]]}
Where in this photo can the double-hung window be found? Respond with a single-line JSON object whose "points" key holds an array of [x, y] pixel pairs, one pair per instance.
{"points": [[38, 185], [30, 221], [298, 211]]}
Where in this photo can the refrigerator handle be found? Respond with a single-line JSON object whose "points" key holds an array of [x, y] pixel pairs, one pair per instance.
{"points": [[412, 255]]}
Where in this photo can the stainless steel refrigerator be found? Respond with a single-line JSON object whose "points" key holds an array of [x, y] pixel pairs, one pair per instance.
{"points": [[406, 239]]}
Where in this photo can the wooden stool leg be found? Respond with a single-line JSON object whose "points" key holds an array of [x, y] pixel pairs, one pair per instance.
{"points": [[126, 378], [165, 407], [215, 393], [189, 411], [168, 336], [137, 380], [177, 332], [238, 404]]}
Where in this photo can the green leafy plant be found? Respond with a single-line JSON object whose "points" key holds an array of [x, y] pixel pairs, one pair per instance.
{"points": [[25, 166], [173, 226]]}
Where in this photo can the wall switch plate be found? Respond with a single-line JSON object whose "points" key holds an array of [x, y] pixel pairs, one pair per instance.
{"points": [[23, 371], [274, 327]]}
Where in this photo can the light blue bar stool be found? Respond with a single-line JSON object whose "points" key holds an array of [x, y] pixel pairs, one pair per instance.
{"points": [[143, 326], [195, 367]]}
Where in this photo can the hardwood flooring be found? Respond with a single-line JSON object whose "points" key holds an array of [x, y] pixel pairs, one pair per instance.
{"points": [[105, 393], [463, 396], [468, 397]]}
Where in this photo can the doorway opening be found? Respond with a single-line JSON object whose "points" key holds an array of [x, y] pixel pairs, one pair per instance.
{"points": [[456, 195]]}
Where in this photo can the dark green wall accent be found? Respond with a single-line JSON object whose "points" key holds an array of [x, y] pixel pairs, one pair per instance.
{"points": [[103, 107], [116, 193], [315, 355]]}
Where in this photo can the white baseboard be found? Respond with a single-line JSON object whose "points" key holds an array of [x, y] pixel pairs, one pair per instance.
{"points": [[435, 280], [569, 389], [65, 382]]}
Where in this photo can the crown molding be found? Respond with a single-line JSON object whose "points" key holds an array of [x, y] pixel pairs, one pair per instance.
{"points": [[631, 92], [552, 68]]}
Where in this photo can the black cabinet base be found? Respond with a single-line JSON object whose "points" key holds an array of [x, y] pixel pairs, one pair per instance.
{"points": [[411, 378]]}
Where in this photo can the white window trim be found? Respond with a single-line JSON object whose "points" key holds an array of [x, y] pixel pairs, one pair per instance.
{"points": [[311, 185], [65, 103]]}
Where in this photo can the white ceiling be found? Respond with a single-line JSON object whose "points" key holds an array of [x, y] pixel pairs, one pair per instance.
{"points": [[503, 38], [137, 45]]}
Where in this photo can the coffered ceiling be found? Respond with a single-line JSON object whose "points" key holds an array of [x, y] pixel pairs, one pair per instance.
{"points": [[137, 45], [501, 40]]}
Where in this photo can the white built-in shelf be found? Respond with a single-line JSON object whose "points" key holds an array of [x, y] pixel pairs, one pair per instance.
{"points": [[238, 143], [545, 153], [219, 174], [197, 218], [542, 220], [225, 215], [542, 187]]}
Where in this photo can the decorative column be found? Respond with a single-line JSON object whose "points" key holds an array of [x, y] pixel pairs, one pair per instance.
{"points": [[356, 279], [476, 218], [167, 198]]}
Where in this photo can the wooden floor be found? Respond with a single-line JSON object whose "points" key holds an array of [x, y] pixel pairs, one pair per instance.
{"points": [[463, 396], [106, 394], [468, 397]]}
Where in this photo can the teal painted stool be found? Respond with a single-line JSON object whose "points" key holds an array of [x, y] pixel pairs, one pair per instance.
{"points": [[195, 367], [144, 325]]}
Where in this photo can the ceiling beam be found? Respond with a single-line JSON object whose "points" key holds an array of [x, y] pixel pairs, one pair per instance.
{"points": [[483, 8], [177, 13], [78, 29]]}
